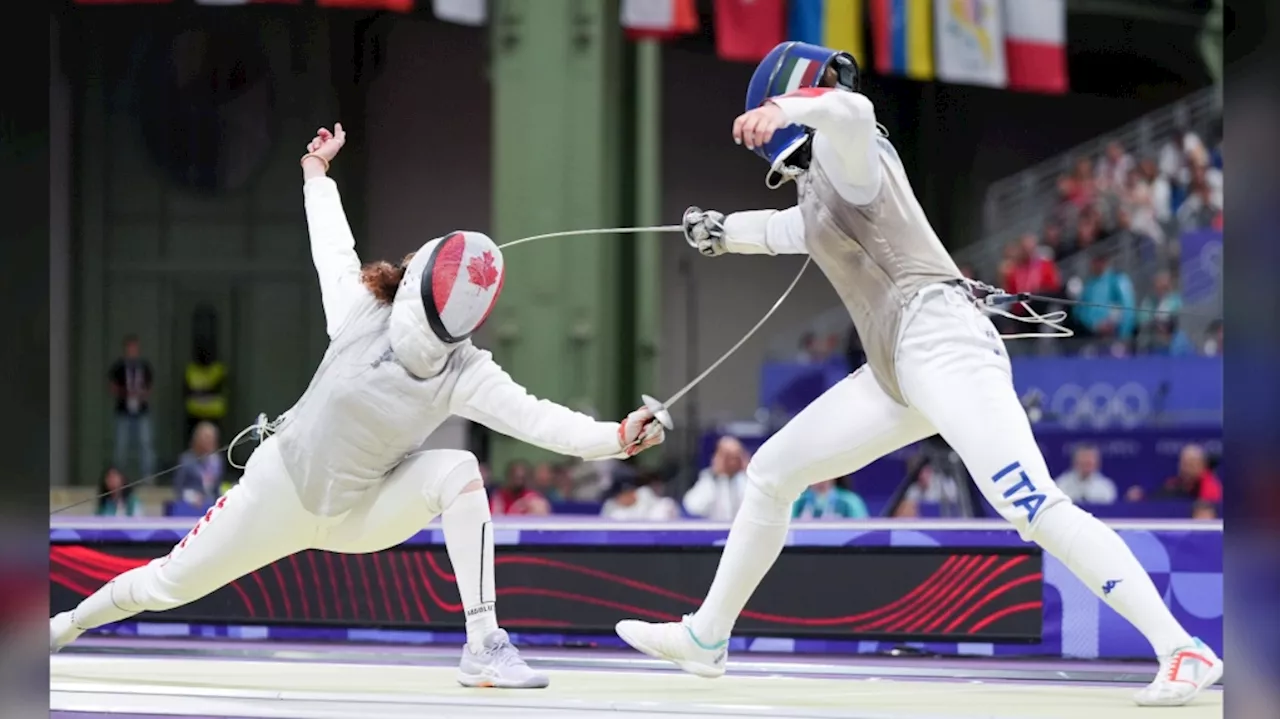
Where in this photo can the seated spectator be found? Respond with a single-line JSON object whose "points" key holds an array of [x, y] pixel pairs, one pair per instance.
{"points": [[1081, 188], [718, 492], [1158, 191], [1114, 168], [1197, 212], [1058, 244], [1138, 200], [634, 500], [544, 482], [1213, 342], [1084, 482], [828, 500], [200, 468], [1106, 286], [1031, 271], [515, 496], [1160, 315], [116, 499], [1194, 480]]}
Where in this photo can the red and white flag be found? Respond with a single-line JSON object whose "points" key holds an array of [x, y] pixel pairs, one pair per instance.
{"points": [[1036, 45], [746, 30], [461, 12], [659, 18], [248, 2]]}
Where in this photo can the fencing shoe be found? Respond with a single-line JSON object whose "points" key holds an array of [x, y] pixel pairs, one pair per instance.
{"points": [[62, 631], [676, 643], [498, 665], [1183, 675]]}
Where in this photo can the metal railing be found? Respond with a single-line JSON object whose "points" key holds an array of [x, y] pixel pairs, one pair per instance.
{"points": [[1022, 202]]}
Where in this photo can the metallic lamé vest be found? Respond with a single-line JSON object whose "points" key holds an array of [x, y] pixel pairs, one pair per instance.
{"points": [[877, 257]]}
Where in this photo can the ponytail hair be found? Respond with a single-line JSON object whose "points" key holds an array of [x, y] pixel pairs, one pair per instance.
{"points": [[383, 278]]}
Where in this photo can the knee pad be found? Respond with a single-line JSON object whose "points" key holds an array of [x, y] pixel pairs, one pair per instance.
{"points": [[458, 472]]}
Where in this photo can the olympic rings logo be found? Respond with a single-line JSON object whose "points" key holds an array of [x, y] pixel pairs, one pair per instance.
{"points": [[1101, 405]]}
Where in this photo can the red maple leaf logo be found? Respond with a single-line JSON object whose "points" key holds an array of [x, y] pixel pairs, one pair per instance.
{"points": [[482, 271]]}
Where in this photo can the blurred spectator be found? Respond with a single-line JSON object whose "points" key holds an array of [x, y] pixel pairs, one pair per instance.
{"points": [[1055, 242], [1084, 482], [1158, 191], [205, 385], [1194, 480], [1197, 211], [718, 492], [815, 348], [544, 482], [130, 380], [116, 499], [1173, 153], [1106, 286], [936, 476], [1031, 271], [1204, 510], [1160, 333], [200, 468], [1114, 167], [828, 500], [1213, 341], [515, 496], [1080, 188], [562, 482], [635, 500]]}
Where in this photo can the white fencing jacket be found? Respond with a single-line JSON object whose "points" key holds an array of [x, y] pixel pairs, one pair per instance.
{"points": [[369, 405]]}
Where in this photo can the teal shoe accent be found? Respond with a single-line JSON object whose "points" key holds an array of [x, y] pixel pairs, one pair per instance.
{"points": [[699, 642]]}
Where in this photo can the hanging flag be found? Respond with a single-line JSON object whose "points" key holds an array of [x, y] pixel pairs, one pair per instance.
{"points": [[746, 30], [836, 24], [969, 37], [903, 34], [461, 12], [121, 2], [394, 5], [659, 18], [1036, 45], [248, 2]]}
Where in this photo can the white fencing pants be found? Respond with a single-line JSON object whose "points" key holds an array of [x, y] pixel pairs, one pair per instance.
{"points": [[261, 520], [956, 379], [955, 376]]}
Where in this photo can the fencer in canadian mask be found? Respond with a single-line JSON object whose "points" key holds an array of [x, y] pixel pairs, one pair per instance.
{"points": [[344, 472]]}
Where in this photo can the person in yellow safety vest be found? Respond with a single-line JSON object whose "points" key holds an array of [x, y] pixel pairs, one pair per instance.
{"points": [[205, 381]]}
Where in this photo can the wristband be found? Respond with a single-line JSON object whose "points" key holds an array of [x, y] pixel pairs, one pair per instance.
{"points": [[321, 159]]}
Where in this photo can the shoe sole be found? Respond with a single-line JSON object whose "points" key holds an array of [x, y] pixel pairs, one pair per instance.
{"points": [[1214, 675], [705, 671], [478, 681]]}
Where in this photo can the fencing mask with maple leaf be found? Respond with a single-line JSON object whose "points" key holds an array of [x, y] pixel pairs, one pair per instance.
{"points": [[448, 291]]}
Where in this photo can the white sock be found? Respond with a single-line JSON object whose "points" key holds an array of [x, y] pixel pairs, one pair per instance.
{"points": [[468, 536], [1101, 559], [755, 541]]}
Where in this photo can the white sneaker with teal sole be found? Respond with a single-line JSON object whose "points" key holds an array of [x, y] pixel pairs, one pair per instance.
{"points": [[676, 643], [1183, 675]]}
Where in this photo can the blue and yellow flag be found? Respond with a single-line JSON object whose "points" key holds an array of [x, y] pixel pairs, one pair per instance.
{"points": [[902, 31], [837, 24]]}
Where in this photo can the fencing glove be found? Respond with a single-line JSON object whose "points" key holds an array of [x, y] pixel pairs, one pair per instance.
{"points": [[704, 231]]}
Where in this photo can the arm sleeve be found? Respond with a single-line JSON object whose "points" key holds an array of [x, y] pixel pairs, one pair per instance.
{"points": [[845, 123], [697, 501], [487, 395], [765, 232], [333, 250]]}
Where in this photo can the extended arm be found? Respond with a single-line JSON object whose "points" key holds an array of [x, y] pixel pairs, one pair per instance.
{"points": [[754, 232], [486, 394], [845, 140], [333, 247]]}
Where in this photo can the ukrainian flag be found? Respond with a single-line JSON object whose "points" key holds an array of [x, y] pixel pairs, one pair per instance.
{"points": [[836, 24], [903, 34]]}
